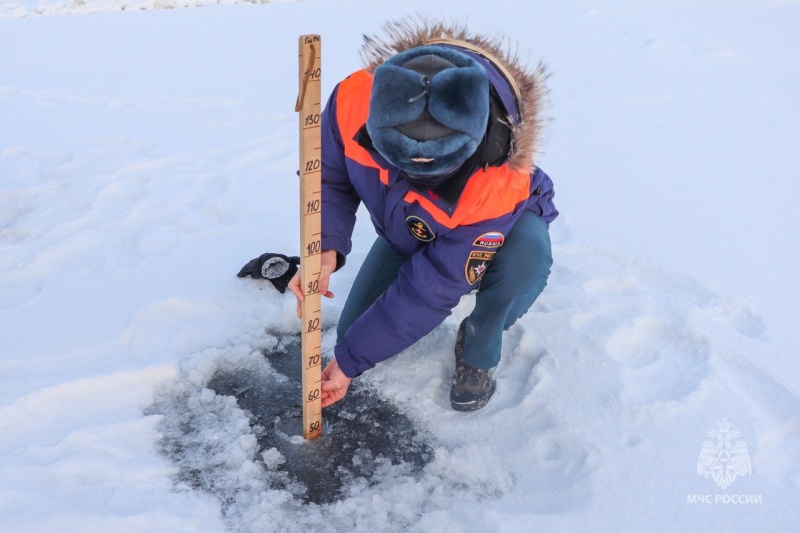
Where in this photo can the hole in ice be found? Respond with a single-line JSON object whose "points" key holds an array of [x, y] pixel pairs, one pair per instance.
{"points": [[362, 434]]}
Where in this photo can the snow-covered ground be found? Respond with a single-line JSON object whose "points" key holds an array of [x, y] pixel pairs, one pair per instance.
{"points": [[147, 154]]}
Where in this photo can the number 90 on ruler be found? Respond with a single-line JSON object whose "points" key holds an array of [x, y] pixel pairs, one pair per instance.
{"points": [[309, 109]]}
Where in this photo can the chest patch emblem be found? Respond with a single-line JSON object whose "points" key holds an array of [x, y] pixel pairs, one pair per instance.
{"points": [[476, 266], [420, 229], [493, 239]]}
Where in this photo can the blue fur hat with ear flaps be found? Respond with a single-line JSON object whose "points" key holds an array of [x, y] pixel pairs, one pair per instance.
{"points": [[428, 109]]}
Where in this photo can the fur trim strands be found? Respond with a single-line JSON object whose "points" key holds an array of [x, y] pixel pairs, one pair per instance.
{"points": [[526, 83]]}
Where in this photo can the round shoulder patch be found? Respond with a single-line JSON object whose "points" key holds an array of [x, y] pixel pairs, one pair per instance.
{"points": [[420, 229]]}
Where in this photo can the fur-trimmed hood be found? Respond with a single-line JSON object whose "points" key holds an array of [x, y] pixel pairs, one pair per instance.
{"points": [[530, 90]]}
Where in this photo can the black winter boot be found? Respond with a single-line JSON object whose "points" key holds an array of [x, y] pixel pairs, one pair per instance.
{"points": [[472, 387]]}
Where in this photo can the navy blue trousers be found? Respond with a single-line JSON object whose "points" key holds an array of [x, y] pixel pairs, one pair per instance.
{"points": [[516, 276]]}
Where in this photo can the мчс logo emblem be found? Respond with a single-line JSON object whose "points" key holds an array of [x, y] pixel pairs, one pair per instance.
{"points": [[722, 458], [476, 266]]}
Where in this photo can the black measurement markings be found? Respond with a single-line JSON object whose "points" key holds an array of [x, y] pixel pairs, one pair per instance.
{"points": [[313, 248], [314, 165], [313, 286], [313, 206], [313, 395], [315, 75], [314, 360], [312, 121]]}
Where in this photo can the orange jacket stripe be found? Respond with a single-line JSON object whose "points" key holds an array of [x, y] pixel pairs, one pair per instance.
{"points": [[482, 198], [352, 109]]}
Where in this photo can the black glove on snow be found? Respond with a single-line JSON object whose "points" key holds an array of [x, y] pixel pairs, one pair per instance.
{"points": [[277, 268]]}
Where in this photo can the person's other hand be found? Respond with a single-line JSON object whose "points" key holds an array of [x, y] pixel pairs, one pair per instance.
{"points": [[327, 266], [334, 384]]}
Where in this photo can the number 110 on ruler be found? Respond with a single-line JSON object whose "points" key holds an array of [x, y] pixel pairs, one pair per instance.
{"points": [[308, 106]]}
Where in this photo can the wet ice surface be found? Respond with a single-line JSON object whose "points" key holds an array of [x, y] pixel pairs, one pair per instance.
{"points": [[248, 405], [359, 433]]}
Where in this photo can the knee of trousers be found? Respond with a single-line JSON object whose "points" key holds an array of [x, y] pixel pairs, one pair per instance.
{"points": [[527, 276]]}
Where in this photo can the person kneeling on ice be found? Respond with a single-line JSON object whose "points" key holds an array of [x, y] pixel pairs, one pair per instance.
{"points": [[436, 136]]}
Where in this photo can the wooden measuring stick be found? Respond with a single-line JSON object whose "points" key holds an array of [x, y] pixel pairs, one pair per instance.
{"points": [[308, 106]]}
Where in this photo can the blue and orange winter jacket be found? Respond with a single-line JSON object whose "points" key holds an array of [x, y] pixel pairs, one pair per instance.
{"points": [[449, 245]]}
